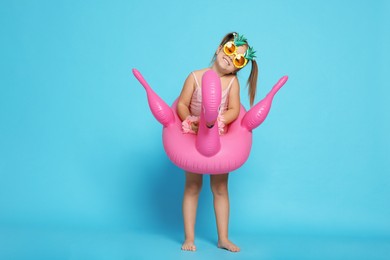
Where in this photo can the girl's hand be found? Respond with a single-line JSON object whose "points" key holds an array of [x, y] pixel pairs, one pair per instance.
{"points": [[195, 126], [190, 125]]}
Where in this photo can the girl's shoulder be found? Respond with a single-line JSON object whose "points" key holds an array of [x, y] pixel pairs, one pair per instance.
{"points": [[199, 73], [197, 76]]}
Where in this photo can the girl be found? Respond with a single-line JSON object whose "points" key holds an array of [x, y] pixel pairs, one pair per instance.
{"points": [[232, 55]]}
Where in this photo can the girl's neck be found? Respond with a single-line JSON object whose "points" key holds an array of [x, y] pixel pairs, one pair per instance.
{"points": [[219, 73]]}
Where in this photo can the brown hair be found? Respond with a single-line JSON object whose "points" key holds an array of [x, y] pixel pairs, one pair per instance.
{"points": [[252, 80]]}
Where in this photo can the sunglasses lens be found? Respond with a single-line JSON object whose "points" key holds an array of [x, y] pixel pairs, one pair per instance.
{"points": [[239, 61], [229, 48]]}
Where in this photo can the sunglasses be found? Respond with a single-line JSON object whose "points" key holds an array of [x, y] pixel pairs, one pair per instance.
{"points": [[239, 60]]}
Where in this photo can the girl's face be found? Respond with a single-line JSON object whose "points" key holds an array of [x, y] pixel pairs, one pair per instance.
{"points": [[225, 62]]}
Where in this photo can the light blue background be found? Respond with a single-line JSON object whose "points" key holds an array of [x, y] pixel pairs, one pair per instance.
{"points": [[83, 173]]}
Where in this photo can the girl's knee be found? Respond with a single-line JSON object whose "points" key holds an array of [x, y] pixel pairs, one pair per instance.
{"points": [[219, 184], [219, 189], [193, 183], [193, 187]]}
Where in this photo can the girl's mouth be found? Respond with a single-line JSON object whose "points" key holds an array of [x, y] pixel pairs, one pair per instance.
{"points": [[226, 60]]}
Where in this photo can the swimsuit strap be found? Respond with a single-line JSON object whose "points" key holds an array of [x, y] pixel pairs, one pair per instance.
{"points": [[231, 82], [196, 80]]}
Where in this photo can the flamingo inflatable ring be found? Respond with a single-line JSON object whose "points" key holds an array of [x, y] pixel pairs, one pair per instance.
{"points": [[208, 152]]}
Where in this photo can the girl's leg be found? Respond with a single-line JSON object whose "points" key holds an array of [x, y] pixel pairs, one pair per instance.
{"points": [[190, 203], [219, 186]]}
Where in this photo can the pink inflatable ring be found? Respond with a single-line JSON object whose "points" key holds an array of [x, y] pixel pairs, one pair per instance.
{"points": [[208, 152]]}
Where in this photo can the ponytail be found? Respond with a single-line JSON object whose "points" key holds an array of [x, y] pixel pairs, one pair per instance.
{"points": [[252, 82]]}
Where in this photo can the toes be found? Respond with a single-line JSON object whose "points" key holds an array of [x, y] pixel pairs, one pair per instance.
{"points": [[234, 249], [229, 246], [188, 247]]}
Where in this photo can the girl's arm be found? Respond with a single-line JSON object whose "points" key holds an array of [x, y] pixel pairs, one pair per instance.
{"points": [[234, 103], [184, 101]]}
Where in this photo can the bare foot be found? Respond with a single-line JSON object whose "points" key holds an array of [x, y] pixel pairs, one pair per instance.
{"points": [[226, 244], [188, 245]]}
